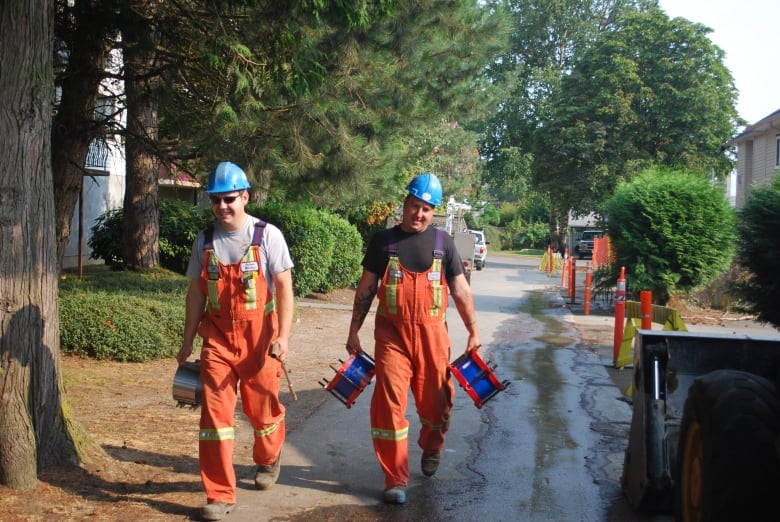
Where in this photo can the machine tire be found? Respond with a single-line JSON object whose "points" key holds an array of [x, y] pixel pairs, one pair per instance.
{"points": [[727, 461]]}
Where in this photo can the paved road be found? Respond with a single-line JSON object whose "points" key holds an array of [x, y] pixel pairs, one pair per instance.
{"points": [[549, 448]]}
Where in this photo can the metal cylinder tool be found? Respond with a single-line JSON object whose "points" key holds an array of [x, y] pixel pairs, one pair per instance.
{"points": [[275, 354]]}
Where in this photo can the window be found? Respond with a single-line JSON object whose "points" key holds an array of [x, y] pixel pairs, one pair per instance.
{"points": [[777, 150], [97, 156]]}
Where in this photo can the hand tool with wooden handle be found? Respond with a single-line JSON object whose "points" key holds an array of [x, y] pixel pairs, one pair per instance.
{"points": [[275, 355]]}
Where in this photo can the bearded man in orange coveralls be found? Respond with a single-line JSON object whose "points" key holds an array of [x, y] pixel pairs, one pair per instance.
{"points": [[240, 301], [418, 266]]}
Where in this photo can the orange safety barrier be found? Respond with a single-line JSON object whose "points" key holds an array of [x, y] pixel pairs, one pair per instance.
{"points": [[586, 301], [646, 308], [602, 251], [572, 277]]}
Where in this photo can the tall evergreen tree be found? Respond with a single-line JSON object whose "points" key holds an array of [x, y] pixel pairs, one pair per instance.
{"points": [[34, 429], [351, 107]]}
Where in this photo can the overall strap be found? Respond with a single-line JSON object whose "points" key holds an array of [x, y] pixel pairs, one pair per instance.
{"points": [[257, 237], [208, 237], [438, 249]]}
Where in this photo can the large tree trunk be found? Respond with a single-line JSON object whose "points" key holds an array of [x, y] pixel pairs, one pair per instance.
{"points": [[141, 206], [33, 430], [74, 125], [556, 242]]}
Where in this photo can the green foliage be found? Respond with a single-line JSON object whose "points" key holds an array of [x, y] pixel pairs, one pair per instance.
{"points": [[325, 248], [345, 268], [548, 36], [656, 91], [490, 216], [759, 251], [122, 316], [507, 213], [180, 222], [327, 102], [106, 238], [518, 236], [673, 231], [311, 243]]}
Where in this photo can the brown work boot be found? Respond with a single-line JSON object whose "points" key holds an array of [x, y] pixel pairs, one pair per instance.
{"points": [[266, 476], [215, 510], [430, 463]]}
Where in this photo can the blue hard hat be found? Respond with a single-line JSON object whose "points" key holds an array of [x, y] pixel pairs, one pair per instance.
{"points": [[427, 188], [227, 177]]}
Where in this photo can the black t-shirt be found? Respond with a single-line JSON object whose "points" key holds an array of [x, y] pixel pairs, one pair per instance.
{"points": [[415, 251]]}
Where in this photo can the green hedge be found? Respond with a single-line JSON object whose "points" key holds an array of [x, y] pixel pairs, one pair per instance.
{"points": [[122, 316]]}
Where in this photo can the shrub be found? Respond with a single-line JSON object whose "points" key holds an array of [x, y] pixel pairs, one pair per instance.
{"points": [[673, 231], [518, 236], [345, 268], [179, 224], [125, 316], [758, 250], [106, 239], [310, 241]]}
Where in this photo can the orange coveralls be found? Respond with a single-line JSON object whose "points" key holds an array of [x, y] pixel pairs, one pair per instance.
{"points": [[237, 329], [412, 350]]}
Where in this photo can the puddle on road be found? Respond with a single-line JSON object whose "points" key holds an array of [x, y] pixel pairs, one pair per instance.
{"points": [[537, 365]]}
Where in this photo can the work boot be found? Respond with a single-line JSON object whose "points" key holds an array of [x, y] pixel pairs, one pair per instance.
{"points": [[395, 495], [215, 510], [266, 476], [430, 463]]}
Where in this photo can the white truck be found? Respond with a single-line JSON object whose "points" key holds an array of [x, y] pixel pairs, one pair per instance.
{"points": [[584, 246]]}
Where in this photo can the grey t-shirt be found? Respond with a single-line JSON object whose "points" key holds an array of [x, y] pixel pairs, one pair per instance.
{"points": [[230, 247]]}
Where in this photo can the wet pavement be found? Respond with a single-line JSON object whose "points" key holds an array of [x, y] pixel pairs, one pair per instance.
{"points": [[548, 448]]}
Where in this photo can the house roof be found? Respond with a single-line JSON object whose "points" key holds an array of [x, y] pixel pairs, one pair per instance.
{"points": [[179, 178], [761, 126]]}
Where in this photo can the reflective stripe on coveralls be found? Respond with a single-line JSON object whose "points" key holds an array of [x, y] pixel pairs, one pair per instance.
{"points": [[412, 351], [236, 338]]}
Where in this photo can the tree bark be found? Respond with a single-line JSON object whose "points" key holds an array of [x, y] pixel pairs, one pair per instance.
{"points": [[141, 203], [33, 430]]}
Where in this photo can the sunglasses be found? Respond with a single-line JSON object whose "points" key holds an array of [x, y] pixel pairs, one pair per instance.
{"points": [[216, 200]]}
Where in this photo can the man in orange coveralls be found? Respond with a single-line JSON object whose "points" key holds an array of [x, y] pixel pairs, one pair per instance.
{"points": [[418, 265], [240, 301]]}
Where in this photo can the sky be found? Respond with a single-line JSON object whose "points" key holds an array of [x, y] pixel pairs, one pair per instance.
{"points": [[746, 31]]}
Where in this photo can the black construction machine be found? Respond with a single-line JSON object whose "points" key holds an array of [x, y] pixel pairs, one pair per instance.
{"points": [[705, 429]]}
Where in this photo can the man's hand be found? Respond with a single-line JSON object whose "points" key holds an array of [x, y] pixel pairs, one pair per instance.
{"points": [[184, 354], [279, 349], [353, 345]]}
